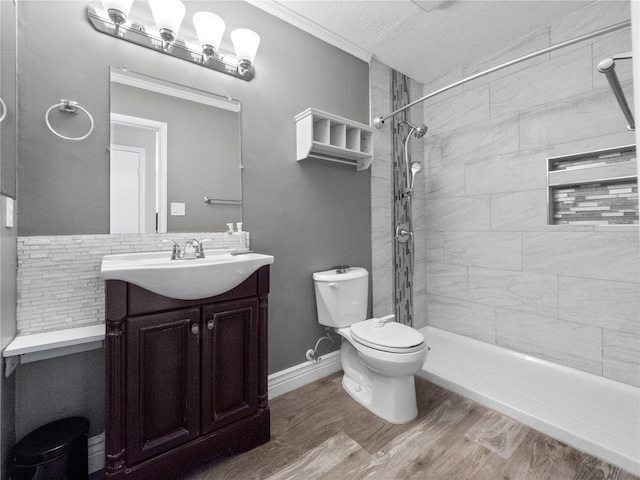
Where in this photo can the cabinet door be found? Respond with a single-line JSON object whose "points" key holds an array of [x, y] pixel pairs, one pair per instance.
{"points": [[229, 362], [163, 370]]}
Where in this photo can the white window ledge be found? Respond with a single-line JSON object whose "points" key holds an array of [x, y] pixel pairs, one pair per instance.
{"points": [[40, 346]]}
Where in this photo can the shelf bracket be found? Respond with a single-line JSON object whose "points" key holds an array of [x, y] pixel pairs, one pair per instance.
{"points": [[10, 365]]}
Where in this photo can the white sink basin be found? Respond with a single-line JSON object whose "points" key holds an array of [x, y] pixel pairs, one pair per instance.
{"points": [[218, 272]]}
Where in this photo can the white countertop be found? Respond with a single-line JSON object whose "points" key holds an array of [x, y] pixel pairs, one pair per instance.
{"points": [[38, 342], [41, 346]]}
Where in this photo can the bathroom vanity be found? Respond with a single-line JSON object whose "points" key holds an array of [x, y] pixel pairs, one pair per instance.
{"points": [[186, 380]]}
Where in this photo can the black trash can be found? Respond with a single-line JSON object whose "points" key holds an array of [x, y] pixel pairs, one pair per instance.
{"points": [[55, 451]]}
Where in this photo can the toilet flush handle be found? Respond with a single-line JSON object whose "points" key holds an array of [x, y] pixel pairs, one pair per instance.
{"points": [[333, 285]]}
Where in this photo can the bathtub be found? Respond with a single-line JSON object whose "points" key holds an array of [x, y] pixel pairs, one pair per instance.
{"points": [[591, 413]]}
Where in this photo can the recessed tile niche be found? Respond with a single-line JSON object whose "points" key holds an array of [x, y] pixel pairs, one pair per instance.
{"points": [[594, 188]]}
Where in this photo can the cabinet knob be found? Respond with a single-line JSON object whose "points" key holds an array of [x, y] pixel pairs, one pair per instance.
{"points": [[195, 329], [210, 324]]}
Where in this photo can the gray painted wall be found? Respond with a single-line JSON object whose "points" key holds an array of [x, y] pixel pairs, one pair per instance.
{"points": [[8, 149], [7, 235], [309, 215], [72, 385], [7, 332]]}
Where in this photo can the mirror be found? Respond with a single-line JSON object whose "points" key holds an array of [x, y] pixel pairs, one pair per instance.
{"points": [[175, 163]]}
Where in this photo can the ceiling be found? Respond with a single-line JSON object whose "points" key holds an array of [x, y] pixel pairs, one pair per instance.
{"points": [[423, 39]]}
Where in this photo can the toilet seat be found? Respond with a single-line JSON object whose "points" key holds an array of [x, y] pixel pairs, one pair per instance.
{"points": [[392, 337]]}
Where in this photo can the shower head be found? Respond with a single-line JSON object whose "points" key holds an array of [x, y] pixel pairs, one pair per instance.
{"points": [[418, 132], [415, 168], [421, 132]]}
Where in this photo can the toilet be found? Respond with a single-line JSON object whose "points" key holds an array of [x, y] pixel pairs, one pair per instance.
{"points": [[379, 356]]}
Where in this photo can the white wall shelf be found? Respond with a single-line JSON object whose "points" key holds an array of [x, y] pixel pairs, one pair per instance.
{"points": [[41, 346], [325, 136]]}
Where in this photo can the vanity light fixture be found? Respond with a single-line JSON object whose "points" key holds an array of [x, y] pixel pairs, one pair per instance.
{"points": [[210, 28], [168, 15], [118, 11], [112, 17], [245, 43]]}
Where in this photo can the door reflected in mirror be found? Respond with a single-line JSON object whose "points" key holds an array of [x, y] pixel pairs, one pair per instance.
{"points": [[172, 147]]}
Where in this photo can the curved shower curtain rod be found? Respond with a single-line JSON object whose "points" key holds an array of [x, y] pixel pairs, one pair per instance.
{"points": [[378, 122]]}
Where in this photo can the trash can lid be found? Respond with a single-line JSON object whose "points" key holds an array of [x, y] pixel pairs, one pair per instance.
{"points": [[49, 441]]}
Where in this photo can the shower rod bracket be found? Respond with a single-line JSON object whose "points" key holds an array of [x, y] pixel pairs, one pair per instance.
{"points": [[607, 67]]}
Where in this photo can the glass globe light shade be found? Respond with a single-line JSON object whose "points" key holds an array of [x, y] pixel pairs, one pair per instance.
{"points": [[168, 14], [118, 10], [209, 28], [245, 43]]}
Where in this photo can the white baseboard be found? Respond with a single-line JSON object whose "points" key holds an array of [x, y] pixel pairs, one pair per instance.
{"points": [[96, 453], [302, 374], [279, 384]]}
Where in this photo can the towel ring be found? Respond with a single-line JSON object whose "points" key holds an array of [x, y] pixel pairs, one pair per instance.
{"points": [[69, 106], [4, 110]]}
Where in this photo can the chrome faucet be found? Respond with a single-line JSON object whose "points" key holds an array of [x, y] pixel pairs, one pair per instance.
{"points": [[403, 234], [177, 253], [193, 249]]}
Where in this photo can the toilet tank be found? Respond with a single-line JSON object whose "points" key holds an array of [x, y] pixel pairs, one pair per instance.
{"points": [[341, 298]]}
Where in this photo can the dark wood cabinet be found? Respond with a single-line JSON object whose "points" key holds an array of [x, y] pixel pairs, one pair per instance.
{"points": [[229, 363], [186, 379], [163, 394]]}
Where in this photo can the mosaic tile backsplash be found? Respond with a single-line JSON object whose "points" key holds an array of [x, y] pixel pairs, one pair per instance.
{"points": [[59, 283], [625, 154], [596, 204], [605, 195], [403, 252]]}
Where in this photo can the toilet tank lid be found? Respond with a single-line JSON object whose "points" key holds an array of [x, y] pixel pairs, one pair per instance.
{"points": [[333, 276]]}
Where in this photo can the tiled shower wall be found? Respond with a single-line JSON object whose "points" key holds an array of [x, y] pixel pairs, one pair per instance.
{"points": [[59, 283], [388, 209], [495, 270]]}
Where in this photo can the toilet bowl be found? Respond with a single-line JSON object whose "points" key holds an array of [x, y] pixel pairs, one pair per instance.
{"points": [[379, 356]]}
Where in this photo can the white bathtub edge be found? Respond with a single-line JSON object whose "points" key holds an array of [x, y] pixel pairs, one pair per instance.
{"points": [[490, 387]]}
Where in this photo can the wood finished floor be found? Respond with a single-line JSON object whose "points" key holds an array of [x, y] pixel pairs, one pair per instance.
{"points": [[319, 432]]}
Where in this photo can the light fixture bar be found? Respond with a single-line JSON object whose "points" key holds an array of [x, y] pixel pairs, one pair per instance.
{"points": [[138, 34]]}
